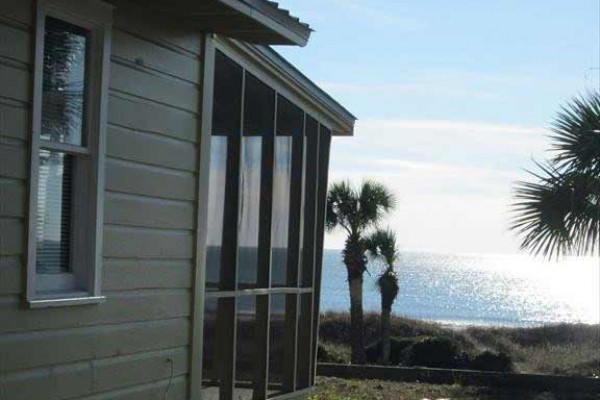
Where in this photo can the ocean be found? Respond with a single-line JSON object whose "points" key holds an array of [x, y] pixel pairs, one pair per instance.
{"points": [[472, 289]]}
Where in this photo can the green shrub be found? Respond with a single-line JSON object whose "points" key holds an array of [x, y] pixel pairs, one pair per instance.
{"points": [[435, 352], [333, 353], [490, 361], [398, 349]]}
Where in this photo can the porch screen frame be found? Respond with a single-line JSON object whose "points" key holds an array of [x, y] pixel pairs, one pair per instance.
{"points": [[295, 291]]}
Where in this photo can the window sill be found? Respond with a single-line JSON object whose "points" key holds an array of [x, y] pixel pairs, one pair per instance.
{"points": [[65, 300]]}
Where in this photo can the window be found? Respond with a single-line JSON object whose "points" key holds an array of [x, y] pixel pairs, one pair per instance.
{"points": [[67, 153], [266, 185]]}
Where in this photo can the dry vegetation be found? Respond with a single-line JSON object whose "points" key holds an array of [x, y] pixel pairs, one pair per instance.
{"points": [[342, 389], [566, 349]]}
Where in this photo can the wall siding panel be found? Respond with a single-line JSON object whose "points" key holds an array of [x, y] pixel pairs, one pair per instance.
{"points": [[121, 348], [13, 159], [81, 379], [15, 83], [133, 274], [14, 44], [19, 11], [141, 243], [45, 348], [12, 236], [158, 57], [14, 121], [120, 307], [11, 272], [152, 117], [145, 180], [12, 198], [151, 149], [148, 212], [161, 89]]}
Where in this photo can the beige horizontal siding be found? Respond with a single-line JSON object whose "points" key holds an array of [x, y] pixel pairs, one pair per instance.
{"points": [[176, 389], [154, 86], [13, 159], [12, 198], [146, 116], [119, 349], [147, 212], [81, 379], [126, 242], [14, 121], [134, 49], [11, 273], [12, 236], [151, 149], [120, 307], [135, 274], [51, 347], [145, 180], [14, 43], [152, 26], [20, 11], [15, 82]]}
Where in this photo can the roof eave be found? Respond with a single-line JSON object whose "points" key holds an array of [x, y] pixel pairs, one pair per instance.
{"points": [[286, 29]]}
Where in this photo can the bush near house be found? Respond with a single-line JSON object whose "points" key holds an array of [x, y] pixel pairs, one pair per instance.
{"points": [[565, 349]]}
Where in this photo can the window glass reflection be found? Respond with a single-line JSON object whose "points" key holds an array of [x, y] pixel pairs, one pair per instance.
{"points": [[282, 174], [210, 379], [63, 82], [245, 347], [54, 206], [249, 207]]}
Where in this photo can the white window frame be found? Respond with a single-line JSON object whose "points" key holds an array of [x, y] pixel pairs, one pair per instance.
{"points": [[83, 285]]}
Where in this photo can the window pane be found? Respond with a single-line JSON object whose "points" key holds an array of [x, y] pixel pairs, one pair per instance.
{"points": [[281, 208], [227, 105], [63, 84], [216, 204], [276, 345], [248, 222], [210, 378], [53, 225], [310, 192], [259, 108], [245, 347], [304, 338]]}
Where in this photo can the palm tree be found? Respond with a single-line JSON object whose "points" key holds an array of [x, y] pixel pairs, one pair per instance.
{"points": [[382, 245], [559, 214], [356, 211]]}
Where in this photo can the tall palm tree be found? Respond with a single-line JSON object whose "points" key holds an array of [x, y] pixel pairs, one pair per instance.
{"points": [[382, 245], [559, 214], [356, 211]]}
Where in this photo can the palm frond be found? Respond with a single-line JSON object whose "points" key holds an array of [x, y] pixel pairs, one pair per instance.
{"points": [[382, 245], [375, 201], [342, 205], [559, 214], [576, 134]]}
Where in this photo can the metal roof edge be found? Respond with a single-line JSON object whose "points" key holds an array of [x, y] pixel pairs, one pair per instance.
{"points": [[270, 15], [345, 117]]}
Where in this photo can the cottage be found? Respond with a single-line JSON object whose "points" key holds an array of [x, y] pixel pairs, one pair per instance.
{"points": [[162, 178]]}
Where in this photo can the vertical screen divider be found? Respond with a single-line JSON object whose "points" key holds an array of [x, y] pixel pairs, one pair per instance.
{"points": [[227, 309], [263, 303], [308, 258], [294, 258], [325, 149]]}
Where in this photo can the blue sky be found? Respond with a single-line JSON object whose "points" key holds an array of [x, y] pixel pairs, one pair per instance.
{"points": [[453, 99]]}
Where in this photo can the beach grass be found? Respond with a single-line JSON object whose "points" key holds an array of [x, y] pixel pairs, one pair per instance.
{"points": [[564, 349], [347, 389]]}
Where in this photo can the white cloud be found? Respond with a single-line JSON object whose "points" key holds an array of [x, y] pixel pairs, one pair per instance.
{"points": [[454, 179]]}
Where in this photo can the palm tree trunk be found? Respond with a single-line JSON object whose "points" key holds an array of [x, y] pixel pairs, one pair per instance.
{"points": [[357, 340], [385, 335]]}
